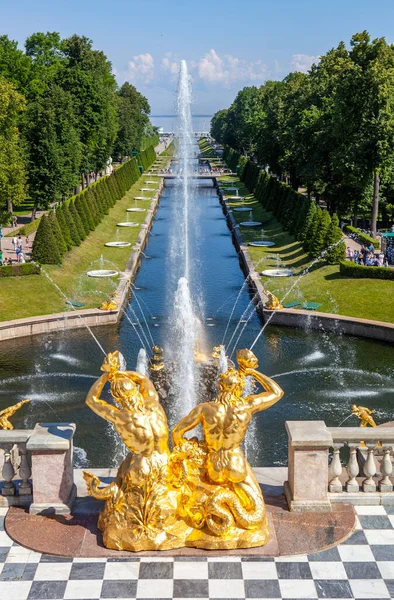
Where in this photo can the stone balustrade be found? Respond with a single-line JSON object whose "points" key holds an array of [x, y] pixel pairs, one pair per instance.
{"points": [[38, 468], [338, 464]]}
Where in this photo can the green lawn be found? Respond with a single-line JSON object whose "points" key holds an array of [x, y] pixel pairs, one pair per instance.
{"points": [[35, 295], [364, 298]]}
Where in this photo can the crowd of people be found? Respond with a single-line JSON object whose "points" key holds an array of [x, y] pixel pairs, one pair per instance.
{"points": [[20, 248], [366, 256]]}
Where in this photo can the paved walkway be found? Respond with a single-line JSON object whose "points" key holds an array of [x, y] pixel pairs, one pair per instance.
{"points": [[360, 568]]}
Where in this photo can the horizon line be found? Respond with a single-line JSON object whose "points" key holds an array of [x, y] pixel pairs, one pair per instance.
{"points": [[162, 116]]}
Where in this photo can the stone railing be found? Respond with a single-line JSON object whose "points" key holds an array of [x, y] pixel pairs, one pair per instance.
{"points": [[338, 464], [38, 468]]}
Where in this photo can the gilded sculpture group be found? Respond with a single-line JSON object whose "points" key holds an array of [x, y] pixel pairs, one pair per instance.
{"points": [[203, 494]]}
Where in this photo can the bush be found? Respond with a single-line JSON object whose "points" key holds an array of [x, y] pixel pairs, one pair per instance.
{"points": [[77, 220], [318, 242], [362, 237], [57, 233], [20, 270], [45, 250], [337, 248], [76, 240], [350, 269]]}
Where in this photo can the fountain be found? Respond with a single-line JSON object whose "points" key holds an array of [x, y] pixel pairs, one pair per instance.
{"points": [[142, 363], [128, 224], [136, 210]]}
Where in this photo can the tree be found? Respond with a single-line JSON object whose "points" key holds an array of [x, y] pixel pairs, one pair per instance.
{"points": [[57, 233], [12, 167], [76, 240], [132, 112], [318, 242], [45, 250], [336, 248], [64, 227], [53, 147], [88, 78]]}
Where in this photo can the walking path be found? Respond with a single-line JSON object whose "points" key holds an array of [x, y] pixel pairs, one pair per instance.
{"points": [[362, 567]]}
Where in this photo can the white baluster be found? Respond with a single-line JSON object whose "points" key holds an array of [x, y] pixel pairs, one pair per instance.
{"points": [[24, 474], [335, 470], [8, 475], [352, 470], [369, 484], [386, 468]]}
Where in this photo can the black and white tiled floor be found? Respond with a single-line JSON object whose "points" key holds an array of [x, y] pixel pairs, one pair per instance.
{"points": [[361, 568]]}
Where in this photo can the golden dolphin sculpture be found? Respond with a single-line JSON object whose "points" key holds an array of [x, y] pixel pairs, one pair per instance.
{"points": [[204, 494]]}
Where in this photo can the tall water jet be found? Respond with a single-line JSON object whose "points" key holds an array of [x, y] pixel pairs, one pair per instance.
{"points": [[142, 363], [183, 335]]}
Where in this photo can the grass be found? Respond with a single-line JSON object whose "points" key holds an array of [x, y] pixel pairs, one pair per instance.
{"points": [[363, 298], [35, 295]]}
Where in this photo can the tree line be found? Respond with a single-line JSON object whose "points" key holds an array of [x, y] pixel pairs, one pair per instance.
{"points": [[62, 115], [317, 230], [330, 130], [72, 221]]}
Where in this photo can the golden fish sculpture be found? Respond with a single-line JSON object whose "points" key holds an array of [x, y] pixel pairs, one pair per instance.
{"points": [[204, 494]]}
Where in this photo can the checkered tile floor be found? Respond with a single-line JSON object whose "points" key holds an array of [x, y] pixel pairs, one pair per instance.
{"points": [[361, 568]]}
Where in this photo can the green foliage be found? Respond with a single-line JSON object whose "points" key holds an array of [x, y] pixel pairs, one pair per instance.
{"points": [[77, 220], [64, 227], [45, 250], [350, 269], [57, 233], [363, 238], [12, 168], [20, 269], [336, 248], [318, 242], [83, 212], [76, 240]]}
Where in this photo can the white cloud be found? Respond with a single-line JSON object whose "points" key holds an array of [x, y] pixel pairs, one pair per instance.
{"points": [[227, 69], [141, 68], [170, 65], [303, 62]]}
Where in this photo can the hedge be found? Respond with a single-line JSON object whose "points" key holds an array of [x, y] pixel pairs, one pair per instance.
{"points": [[298, 214], [19, 270], [75, 218], [362, 237], [350, 269]]}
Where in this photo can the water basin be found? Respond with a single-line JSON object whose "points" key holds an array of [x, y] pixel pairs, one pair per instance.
{"points": [[262, 243], [117, 244], [142, 198], [135, 209], [277, 273], [250, 223], [127, 224], [242, 209], [102, 273]]}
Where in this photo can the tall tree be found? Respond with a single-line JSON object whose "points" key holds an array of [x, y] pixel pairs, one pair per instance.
{"points": [[132, 112], [12, 168]]}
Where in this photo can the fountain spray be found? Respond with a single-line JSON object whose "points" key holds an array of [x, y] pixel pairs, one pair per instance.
{"points": [[184, 324]]}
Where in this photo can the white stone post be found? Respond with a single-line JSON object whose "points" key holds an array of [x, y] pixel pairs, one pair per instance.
{"points": [[51, 447], [307, 487]]}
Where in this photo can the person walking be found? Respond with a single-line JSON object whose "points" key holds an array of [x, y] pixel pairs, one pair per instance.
{"points": [[20, 242]]}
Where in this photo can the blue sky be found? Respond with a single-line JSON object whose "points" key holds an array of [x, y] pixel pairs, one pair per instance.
{"points": [[228, 44]]}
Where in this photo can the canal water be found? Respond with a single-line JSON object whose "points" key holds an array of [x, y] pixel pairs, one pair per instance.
{"points": [[321, 374]]}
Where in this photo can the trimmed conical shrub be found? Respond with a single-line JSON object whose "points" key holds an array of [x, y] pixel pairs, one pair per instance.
{"points": [[77, 220], [64, 226], [305, 230], [76, 240], [45, 250], [82, 213], [318, 244], [57, 233], [86, 210], [336, 251]]}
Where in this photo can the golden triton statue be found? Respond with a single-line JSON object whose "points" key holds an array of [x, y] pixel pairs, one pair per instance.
{"points": [[9, 412], [272, 302], [202, 495], [364, 414]]}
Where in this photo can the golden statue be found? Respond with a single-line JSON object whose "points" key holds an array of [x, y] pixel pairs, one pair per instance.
{"points": [[272, 302], [110, 304], [204, 494], [229, 495], [364, 414], [216, 351], [9, 412], [156, 363]]}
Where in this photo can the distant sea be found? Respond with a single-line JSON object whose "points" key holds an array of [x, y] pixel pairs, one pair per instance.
{"points": [[168, 122]]}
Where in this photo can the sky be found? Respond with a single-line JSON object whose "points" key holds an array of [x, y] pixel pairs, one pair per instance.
{"points": [[228, 44]]}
